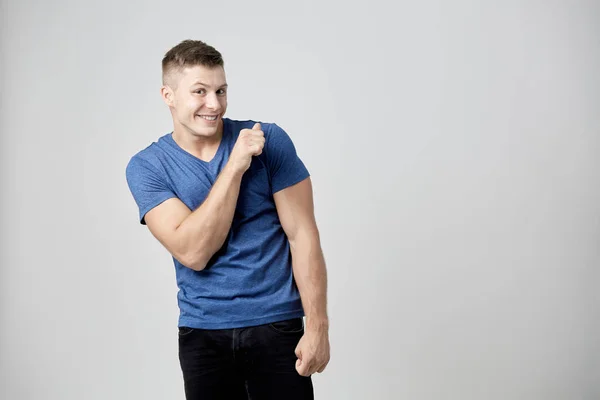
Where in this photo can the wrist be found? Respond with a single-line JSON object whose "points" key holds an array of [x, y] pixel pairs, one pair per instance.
{"points": [[317, 324], [232, 171]]}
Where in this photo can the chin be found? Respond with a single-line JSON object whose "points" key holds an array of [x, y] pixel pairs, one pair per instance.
{"points": [[201, 130], [205, 131]]}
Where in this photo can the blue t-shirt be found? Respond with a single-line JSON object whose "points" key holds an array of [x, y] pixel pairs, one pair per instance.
{"points": [[249, 281]]}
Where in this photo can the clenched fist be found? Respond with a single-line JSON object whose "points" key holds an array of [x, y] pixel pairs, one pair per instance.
{"points": [[249, 143]]}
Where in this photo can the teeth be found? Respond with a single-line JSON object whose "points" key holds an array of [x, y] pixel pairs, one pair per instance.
{"points": [[209, 118]]}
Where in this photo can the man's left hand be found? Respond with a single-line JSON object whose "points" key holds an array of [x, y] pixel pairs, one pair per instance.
{"points": [[312, 352]]}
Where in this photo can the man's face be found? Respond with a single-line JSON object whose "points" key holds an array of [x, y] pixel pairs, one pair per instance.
{"points": [[199, 100]]}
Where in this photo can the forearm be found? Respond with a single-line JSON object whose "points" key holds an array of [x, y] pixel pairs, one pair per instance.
{"points": [[310, 274], [204, 231]]}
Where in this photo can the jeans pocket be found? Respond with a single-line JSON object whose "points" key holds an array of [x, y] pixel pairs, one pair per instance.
{"points": [[185, 330], [289, 326]]}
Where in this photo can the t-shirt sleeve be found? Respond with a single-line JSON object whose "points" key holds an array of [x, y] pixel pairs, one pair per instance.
{"points": [[285, 167], [147, 186]]}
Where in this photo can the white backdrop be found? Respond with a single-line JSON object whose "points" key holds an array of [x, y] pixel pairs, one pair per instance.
{"points": [[453, 148]]}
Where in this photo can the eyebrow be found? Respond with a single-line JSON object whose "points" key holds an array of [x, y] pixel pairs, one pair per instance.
{"points": [[204, 84]]}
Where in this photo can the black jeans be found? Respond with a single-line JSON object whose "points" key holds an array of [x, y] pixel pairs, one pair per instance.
{"points": [[255, 363]]}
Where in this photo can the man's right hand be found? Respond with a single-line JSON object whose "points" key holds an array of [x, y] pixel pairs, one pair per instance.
{"points": [[250, 143]]}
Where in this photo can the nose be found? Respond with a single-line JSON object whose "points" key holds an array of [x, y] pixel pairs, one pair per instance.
{"points": [[212, 101]]}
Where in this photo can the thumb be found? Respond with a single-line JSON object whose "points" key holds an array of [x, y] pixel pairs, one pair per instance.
{"points": [[256, 127], [299, 367]]}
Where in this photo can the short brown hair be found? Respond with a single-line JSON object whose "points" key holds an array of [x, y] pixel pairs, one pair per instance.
{"points": [[190, 53]]}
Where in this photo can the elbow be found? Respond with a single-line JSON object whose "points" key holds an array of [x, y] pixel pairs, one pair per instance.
{"points": [[196, 262], [305, 239], [199, 257], [197, 266], [192, 257]]}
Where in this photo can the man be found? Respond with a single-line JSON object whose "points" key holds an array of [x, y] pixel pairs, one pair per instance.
{"points": [[232, 202]]}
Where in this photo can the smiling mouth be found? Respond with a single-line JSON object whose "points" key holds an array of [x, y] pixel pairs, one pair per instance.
{"points": [[209, 117]]}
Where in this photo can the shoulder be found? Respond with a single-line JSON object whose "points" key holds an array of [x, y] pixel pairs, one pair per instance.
{"points": [[148, 158], [269, 128]]}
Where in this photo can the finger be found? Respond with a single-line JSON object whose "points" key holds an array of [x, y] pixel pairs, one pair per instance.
{"points": [[315, 368], [256, 145], [255, 135], [319, 367], [299, 367], [309, 367], [303, 368], [256, 127], [322, 368]]}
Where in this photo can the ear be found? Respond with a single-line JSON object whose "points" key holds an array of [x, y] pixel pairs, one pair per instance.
{"points": [[167, 94]]}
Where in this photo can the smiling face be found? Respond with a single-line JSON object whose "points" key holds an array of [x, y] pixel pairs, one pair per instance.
{"points": [[197, 98]]}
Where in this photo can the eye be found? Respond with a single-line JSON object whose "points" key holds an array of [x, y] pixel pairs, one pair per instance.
{"points": [[221, 92], [200, 91]]}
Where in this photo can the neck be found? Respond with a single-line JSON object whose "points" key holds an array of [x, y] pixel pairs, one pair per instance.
{"points": [[200, 146]]}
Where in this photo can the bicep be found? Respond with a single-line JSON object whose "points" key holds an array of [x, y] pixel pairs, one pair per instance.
{"points": [[295, 209], [163, 221], [285, 166]]}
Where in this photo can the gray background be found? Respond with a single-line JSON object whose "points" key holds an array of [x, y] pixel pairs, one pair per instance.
{"points": [[453, 148]]}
